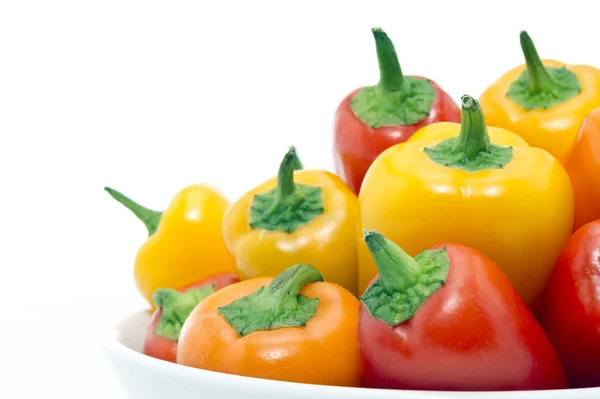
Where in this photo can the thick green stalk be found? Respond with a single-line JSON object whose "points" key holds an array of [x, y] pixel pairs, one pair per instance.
{"points": [[390, 74], [538, 78]]}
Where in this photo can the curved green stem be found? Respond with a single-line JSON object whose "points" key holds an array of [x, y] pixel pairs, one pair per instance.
{"points": [[391, 78], [538, 78], [397, 269], [285, 176], [284, 289], [473, 137], [149, 217], [277, 305]]}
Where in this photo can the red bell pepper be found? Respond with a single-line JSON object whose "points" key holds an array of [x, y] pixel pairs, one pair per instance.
{"points": [[449, 319], [371, 119], [572, 317], [173, 308]]}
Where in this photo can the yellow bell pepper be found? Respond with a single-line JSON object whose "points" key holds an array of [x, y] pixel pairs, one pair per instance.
{"points": [[305, 216], [471, 185], [185, 244], [544, 102]]}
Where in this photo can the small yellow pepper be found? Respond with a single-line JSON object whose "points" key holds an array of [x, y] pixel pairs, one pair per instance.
{"points": [[185, 244], [491, 192], [304, 216], [544, 102]]}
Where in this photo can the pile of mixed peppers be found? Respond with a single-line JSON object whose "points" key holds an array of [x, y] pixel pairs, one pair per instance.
{"points": [[457, 246]]}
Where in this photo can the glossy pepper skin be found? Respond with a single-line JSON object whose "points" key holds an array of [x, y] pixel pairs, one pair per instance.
{"points": [[583, 167], [517, 210], [553, 126], [472, 333], [572, 318], [357, 143], [266, 246], [269, 340], [163, 331], [184, 244]]}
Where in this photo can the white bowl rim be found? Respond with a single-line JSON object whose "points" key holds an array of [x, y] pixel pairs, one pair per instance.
{"points": [[111, 341]]}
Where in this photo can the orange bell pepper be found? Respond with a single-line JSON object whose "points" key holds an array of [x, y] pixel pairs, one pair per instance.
{"points": [[543, 101], [583, 167], [185, 244], [293, 328]]}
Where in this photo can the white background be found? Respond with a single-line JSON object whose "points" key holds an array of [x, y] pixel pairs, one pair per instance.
{"points": [[150, 96]]}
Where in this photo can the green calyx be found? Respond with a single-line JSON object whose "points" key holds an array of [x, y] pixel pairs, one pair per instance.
{"points": [[404, 282], [289, 205], [176, 307], [148, 216], [540, 87], [277, 305], [397, 99], [472, 150]]}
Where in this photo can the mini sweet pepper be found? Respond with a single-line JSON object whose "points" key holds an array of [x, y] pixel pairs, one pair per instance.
{"points": [[449, 319], [295, 327], [184, 244], [583, 167], [543, 101], [172, 309], [302, 216], [371, 119], [477, 186], [572, 317]]}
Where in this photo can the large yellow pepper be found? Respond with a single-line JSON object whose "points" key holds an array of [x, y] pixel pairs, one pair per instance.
{"points": [[472, 185], [544, 102], [305, 216], [185, 244]]}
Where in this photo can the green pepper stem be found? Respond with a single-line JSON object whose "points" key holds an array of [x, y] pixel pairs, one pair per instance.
{"points": [[390, 73], [538, 78], [297, 163], [285, 176], [149, 217], [284, 289], [276, 305], [397, 269], [474, 137]]}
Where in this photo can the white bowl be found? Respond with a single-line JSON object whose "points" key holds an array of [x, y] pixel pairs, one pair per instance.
{"points": [[144, 377]]}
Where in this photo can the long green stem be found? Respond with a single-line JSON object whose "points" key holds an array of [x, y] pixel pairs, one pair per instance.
{"points": [[391, 77], [285, 176], [149, 217], [538, 78]]}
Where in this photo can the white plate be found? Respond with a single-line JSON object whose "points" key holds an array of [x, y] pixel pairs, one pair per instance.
{"points": [[143, 377]]}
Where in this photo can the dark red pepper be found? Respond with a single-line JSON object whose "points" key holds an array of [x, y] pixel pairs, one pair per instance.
{"points": [[173, 308], [449, 319], [371, 119], [572, 317]]}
